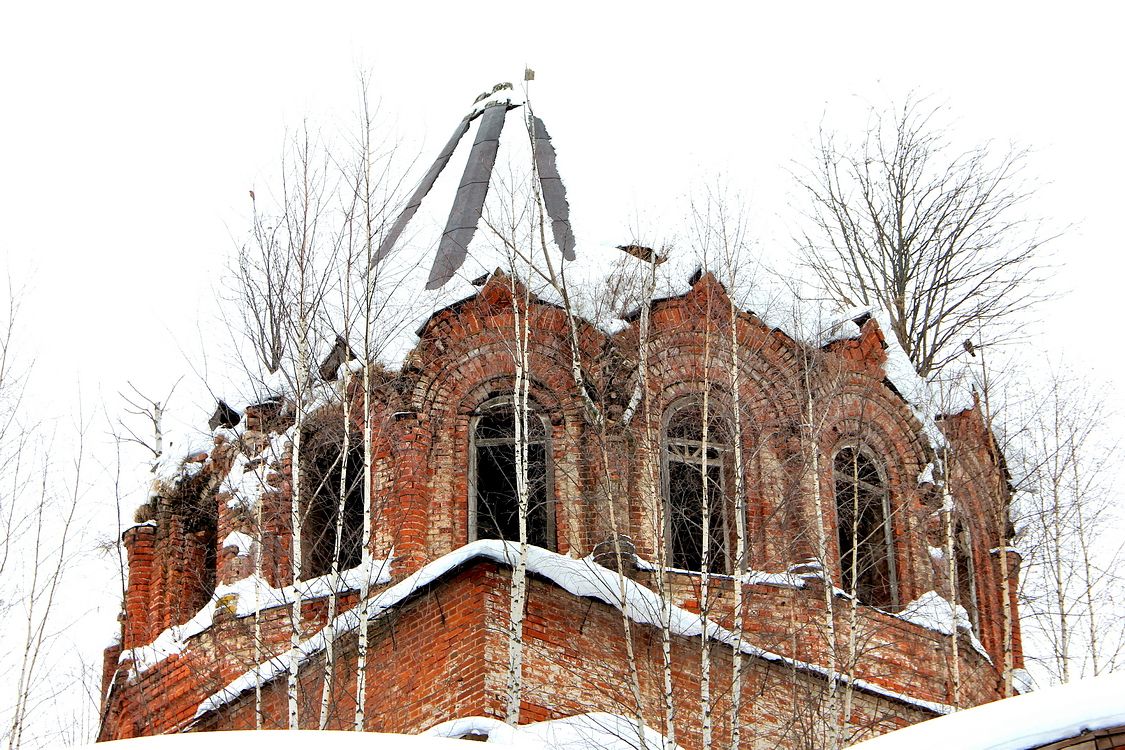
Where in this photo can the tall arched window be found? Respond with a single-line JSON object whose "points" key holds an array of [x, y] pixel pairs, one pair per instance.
{"points": [[694, 475], [494, 496], [966, 584], [867, 561]]}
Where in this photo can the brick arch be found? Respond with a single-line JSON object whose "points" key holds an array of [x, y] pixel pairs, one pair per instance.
{"points": [[766, 443], [766, 365], [891, 435], [475, 369], [886, 423], [544, 397], [478, 349], [970, 472]]}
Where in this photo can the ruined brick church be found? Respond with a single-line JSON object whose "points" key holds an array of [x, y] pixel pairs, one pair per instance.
{"points": [[688, 514], [848, 494]]}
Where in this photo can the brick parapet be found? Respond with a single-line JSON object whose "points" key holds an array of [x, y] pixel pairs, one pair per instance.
{"points": [[453, 634]]}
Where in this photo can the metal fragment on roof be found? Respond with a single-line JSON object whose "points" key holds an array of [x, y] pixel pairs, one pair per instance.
{"points": [[339, 354], [469, 202], [554, 192], [225, 416], [647, 254], [421, 191]]}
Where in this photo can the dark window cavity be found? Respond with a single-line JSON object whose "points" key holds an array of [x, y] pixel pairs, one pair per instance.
{"points": [[694, 476], [325, 535], [966, 584], [494, 511], [865, 538]]}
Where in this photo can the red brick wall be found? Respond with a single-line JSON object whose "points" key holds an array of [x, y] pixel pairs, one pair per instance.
{"points": [[421, 420], [453, 635]]}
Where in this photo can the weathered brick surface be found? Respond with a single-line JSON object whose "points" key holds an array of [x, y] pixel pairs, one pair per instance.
{"points": [[443, 654]]}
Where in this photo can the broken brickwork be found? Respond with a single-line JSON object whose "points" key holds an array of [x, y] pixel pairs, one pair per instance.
{"points": [[190, 633]]}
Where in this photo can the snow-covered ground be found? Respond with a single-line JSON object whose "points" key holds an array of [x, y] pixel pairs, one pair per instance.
{"points": [[1020, 723], [594, 731]]}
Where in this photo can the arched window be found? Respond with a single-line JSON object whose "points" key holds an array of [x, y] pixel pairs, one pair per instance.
{"points": [[867, 561], [694, 475], [493, 490], [323, 469], [966, 583]]}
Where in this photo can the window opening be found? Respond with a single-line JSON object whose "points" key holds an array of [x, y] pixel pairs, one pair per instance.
{"points": [[318, 532], [686, 464], [494, 513], [865, 538], [966, 584]]}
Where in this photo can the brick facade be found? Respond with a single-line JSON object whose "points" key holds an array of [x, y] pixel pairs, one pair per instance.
{"points": [[441, 652]]}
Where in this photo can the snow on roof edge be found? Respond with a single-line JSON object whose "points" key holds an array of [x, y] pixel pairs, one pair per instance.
{"points": [[583, 578], [1022, 722]]}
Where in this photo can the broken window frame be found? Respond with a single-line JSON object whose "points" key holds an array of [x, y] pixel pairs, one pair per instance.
{"points": [[686, 451], [881, 541], [540, 435]]}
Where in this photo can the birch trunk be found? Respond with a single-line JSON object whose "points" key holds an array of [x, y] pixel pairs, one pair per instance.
{"points": [[370, 285], [954, 587], [1001, 538], [741, 555], [335, 573], [518, 600], [295, 524], [705, 573], [832, 725]]}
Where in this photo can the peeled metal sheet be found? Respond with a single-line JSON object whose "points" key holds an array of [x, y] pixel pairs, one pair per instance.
{"points": [[420, 192], [469, 202], [554, 192]]}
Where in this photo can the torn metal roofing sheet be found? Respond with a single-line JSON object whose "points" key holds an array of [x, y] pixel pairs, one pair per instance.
{"points": [[554, 192], [469, 202], [421, 191]]}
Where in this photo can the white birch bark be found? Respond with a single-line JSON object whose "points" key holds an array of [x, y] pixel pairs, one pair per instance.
{"points": [[822, 548], [1001, 519], [741, 553], [853, 605], [518, 599], [705, 567], [335, 572], [370, 284], [954, 587], [295, 524]]}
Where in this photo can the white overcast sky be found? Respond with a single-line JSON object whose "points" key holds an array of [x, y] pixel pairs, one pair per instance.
{"points": [[130, 135]]}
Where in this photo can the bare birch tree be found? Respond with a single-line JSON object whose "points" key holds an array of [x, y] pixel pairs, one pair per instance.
{"points": [[938, 238], [1071, 577], [40, 499]]}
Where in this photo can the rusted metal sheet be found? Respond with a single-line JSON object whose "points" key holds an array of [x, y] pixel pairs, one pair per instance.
{"points": [[420, 192], [554, 192], [469, 202]]}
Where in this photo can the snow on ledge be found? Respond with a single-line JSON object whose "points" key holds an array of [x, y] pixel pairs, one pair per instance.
{"points": [[603, 731], [592, 731], [241, 599], [241, 541], [583, 578], [785, 579], [281, 739], [1019, 723], [934, 612]]}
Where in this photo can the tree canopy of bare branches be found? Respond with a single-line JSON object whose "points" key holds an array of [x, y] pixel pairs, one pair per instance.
{"points": [[937, 237]]}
